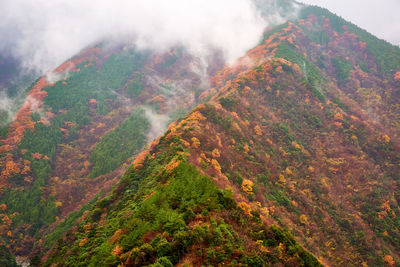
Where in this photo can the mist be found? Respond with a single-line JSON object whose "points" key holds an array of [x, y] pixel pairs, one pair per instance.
{"points": [[42, 34], [158, 123], [6, 108]]}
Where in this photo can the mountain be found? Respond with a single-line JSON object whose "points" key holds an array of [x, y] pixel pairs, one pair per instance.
{"points": [[74, 135], [289, 157]]}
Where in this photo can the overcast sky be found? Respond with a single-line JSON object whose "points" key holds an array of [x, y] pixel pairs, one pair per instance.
{"points": [[379, 17]]}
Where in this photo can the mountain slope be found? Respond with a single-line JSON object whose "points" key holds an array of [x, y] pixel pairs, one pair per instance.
{"points": [[78, 127], [295, 148], [165, 212], [303, 132]]}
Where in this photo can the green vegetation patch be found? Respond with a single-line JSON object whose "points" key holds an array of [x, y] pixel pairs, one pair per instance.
{"points": [[6, 258], [228, 102], [92, 83], [119, 144], [343, 68], [3, 130], [317, 36], [136, 86], [313, 77], [43, 139]]}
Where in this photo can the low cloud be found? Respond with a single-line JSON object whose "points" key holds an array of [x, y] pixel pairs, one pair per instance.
{"points": [[6, 109], [45, 33], [53, 76], [42, 34], [158, 123]]}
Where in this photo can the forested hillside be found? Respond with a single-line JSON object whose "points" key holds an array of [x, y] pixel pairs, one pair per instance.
{"points": [[289, 157], [302, 133], [75, 133], [166, 212]]}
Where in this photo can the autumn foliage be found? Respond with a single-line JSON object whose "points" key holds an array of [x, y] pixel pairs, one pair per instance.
{"points": [[302, 132]]}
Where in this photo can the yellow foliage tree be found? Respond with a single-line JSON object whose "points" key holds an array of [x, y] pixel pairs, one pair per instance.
{"points": [[303, 219], [204, 157], [215, 153], [288, 171], [386, 138], [216, 165], [282, 179], [264, 212], [247, 186], [245, 207], [257, 130], [195, 142], [296, 145]]}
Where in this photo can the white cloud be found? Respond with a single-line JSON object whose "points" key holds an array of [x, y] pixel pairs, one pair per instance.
{"points": [[44, 33]]}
